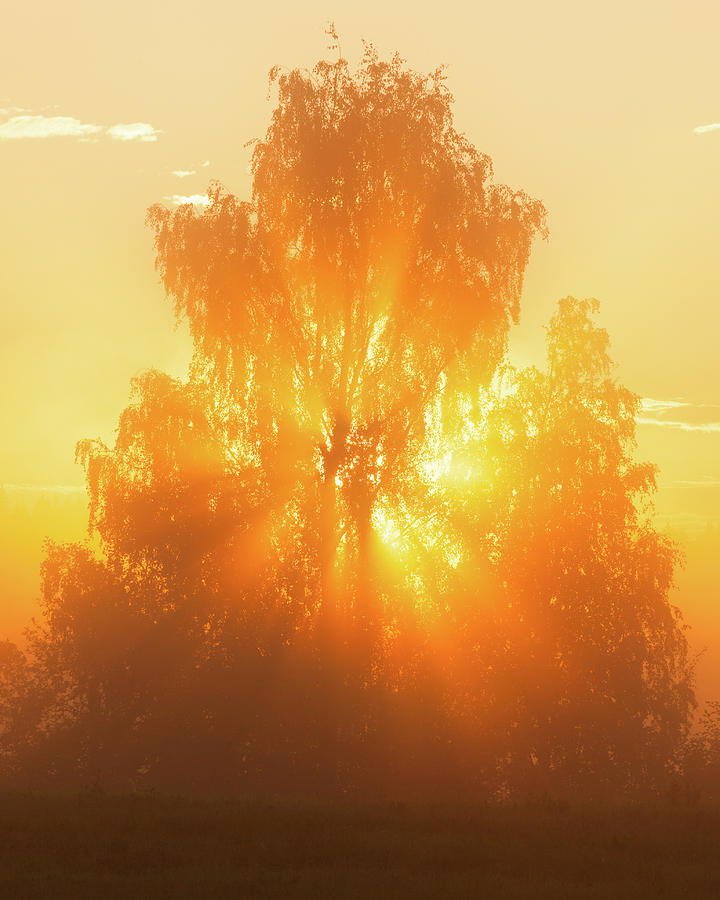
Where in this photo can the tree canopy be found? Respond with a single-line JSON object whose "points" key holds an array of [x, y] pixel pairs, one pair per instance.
{"points": [[354, 549], [375, 263]]}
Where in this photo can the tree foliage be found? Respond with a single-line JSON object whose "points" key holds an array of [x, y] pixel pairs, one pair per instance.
{"points": [[599, 656], [375, 261], [354, 550]]}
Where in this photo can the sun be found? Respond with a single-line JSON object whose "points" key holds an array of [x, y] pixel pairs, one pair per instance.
{"points": [[388, 529]]}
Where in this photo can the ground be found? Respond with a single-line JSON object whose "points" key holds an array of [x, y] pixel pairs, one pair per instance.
{"points": [[92, 845]]}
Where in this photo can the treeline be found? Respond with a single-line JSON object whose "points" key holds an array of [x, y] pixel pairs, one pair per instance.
{"points": [[355, 551]]}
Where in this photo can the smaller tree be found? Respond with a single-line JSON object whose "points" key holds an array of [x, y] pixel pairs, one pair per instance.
{"points": [[562, 583]]}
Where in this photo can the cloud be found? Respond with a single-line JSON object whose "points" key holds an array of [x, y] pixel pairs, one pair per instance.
{"points": [[28, 127], [43, 488], [660, 406], [194, 199], [205, 164], [707, 427], [684, 414], [707, 482], [704, 129], [22, 127], [133, 131], [183, 173]]}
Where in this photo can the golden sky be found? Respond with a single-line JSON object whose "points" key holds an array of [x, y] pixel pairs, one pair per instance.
{"points": [[601, 111]]}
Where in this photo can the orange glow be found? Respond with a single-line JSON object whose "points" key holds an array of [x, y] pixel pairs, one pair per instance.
{"points": [[353, 546]]}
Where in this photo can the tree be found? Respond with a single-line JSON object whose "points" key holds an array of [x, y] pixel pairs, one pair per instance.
{"points": [[375, 263], [375, 266], [592, 671]]}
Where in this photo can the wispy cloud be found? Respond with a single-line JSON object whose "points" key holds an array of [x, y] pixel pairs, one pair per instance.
{"points": [[707, 427], [655, 406], [683, 414], [704, 129], [186, 173], [706, 482], [194, 199], [133, 131], [29, 127], [43, 488], [24, 127]]}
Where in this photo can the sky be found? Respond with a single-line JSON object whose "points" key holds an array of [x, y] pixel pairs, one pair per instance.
{"points": [[605, 112]]}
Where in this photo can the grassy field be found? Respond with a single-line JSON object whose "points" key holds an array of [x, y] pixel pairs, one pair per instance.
{"points": [[96, 846]]}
